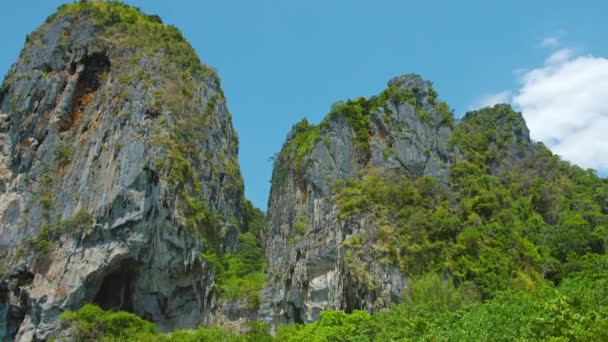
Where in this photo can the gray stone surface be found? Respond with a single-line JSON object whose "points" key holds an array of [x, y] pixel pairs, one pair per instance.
{"points": [[138, 256], [307, 273]]}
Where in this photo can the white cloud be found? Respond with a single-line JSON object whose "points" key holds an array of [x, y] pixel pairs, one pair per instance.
{"points": [[565, 104], [550, 42], [492, 99], [559, 57]]}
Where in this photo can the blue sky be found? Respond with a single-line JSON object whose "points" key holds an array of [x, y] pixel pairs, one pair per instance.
{"points": [[280, 61]]}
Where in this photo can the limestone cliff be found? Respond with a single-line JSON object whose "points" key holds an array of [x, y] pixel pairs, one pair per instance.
{"points": [[405, 129], [120, 186], [118, 167], [350, 198]]}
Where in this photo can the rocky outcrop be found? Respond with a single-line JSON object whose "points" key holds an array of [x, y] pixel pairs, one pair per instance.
{"points": [[334, 239], [117, 169], [405, 130]]}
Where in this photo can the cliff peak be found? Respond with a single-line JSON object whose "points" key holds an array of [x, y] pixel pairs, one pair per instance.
{"points": [[410, 82]]}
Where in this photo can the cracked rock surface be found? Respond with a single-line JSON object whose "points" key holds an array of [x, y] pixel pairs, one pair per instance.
{"points": [[92, 154], [307, 272]]}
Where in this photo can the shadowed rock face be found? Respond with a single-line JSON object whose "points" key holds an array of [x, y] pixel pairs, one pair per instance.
{"points": [[405, 131], [110, 154]]}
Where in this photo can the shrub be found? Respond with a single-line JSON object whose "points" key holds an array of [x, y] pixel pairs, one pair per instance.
{"points": [[62, 154], [90, 323], [301, 224], [240, 276], [81, 222]]}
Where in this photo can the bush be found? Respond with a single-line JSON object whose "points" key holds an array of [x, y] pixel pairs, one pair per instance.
{"points": [[62, 154], [240, 276], [91, 323], [437, 294], [81, 222]]}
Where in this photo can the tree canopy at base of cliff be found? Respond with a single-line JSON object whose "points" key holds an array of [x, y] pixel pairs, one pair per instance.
{"points": [[576, 310]]}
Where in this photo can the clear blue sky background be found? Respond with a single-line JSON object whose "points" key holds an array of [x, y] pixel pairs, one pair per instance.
{"points": [[283, 60]]}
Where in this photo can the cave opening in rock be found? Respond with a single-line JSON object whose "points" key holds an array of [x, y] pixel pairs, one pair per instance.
{"points": [[95, 66], [117, 287], [297, 314]]}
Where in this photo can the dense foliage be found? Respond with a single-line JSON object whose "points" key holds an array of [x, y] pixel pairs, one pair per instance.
{"points": [[240, 275], [437, 310], [511, 215], [90, 323]]}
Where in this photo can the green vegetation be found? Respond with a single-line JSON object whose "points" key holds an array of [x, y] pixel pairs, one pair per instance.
{"points": [[447, 117], [415, 223], [357, 115], [62, 154], [81, 222], [45, 190], [486, 135], [400, 95], [503, 233], [301, 225], [240, 275], [90, 323], [574, 311], [492, 228], [306, 137], [434, 310]]}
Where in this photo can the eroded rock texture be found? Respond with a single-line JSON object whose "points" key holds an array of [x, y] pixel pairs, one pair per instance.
{"points": [[333, 241], [407, 133], [117, 168]]}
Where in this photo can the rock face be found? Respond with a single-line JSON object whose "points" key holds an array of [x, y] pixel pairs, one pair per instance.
{"points": [[405, 130], [117, 169], [120, 186], [336, 241]]}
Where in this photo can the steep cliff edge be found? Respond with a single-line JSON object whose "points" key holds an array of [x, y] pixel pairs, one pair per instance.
{"points": [[119, 177], [389, 189], [405, 130]]}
